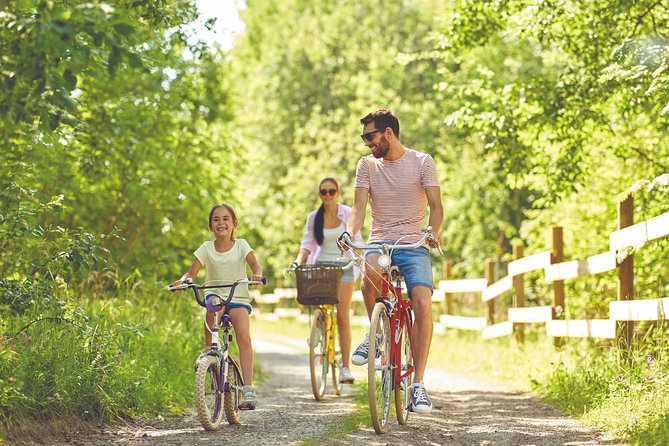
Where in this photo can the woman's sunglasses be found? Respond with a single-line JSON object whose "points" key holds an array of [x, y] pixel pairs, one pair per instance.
{"points": [[324, 192]]}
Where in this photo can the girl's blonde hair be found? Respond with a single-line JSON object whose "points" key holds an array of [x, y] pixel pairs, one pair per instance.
{"points": [[232, 212]]}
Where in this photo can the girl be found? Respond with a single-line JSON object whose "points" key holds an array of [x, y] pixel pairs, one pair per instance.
{"points": [[224, 260], [319, 245]]}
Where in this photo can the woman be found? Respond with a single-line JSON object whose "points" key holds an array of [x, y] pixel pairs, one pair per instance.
{"points": [[319, 245]]}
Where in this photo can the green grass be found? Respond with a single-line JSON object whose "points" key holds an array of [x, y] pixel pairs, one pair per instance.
{"points": [[102, 360], [624, 395]]}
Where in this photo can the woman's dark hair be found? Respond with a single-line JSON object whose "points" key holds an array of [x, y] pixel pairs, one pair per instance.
{"points": [[232, 212], [318, 223]]}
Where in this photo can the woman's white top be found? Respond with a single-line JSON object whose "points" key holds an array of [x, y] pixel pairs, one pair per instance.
{"points": [[329, 250]]}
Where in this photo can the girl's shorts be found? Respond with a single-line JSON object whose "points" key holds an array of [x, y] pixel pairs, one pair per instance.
{"points": [[232, 303]]}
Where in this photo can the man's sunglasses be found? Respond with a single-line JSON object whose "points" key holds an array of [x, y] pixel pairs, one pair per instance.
{"points": [[324, 192], [368, 136]]}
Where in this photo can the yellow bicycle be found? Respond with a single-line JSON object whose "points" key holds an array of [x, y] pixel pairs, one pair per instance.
{"points": [[318, 288]]}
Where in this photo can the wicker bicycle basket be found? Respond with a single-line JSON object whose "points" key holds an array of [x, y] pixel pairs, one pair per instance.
{"points": [[318, 284]]}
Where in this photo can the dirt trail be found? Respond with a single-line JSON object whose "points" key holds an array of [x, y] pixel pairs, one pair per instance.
{"points": [[465, 413]]}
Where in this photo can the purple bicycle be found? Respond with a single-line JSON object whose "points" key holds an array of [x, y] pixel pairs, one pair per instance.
{"points": [[218, 375]]}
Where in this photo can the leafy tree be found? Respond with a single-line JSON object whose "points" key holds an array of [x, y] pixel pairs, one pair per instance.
{"points": [[116, 109]]}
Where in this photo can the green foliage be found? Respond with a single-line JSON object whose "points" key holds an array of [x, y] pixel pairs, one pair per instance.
{"points": [[102, 362], [113, 135], [627, 398], [120, 130], [556, 88], [117, 112]]}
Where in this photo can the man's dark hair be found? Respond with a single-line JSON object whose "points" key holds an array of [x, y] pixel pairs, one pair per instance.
{"points": [[383, 118]]}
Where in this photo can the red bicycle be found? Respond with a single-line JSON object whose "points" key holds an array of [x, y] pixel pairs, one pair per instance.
{"points": [[391, 370]]}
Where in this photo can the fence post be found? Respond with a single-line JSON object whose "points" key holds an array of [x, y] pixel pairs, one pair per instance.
{"points": [[626, 271], [558, 285], [490, 279], [518, 294], [448, 304]]}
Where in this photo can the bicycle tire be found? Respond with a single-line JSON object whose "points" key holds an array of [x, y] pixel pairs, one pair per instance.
{"points": [[208, 399], [318, 360], [379, 370], [403, 388], [233, 392]]}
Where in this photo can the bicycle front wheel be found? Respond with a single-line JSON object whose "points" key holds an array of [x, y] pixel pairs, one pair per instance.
{"points": [[318, 359], [233, 392], [208, 401], [379, 370], [337, 385], [403, 387]]}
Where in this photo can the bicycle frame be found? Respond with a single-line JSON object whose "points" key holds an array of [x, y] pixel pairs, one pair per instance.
{"points": [[224, 351], [330, 330]]}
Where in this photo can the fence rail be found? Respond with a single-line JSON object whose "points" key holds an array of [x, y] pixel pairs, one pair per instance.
{"points": [[623, 243]]}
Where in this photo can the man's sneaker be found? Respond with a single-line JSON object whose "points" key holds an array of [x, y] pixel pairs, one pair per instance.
{"points": [[250, 400], [345, 376], [420, 402], [359, 356]]}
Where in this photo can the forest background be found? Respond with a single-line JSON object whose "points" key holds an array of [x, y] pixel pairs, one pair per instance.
{"points": [[120, 128]]}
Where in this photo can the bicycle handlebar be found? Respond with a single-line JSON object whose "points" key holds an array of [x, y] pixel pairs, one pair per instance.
{"points": [[196, 288], [427, 235]]}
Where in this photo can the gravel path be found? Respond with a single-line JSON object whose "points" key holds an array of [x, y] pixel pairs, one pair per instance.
{"points": [[465, 413]]}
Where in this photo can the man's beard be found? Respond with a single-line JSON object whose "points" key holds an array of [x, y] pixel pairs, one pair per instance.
{"points": [[381, 149]]}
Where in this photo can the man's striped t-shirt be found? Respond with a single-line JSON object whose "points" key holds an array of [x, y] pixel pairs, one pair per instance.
{"points": [[397, 194]]}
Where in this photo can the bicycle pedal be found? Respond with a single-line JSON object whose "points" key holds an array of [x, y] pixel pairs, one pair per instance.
{"points": [[246, 407]]}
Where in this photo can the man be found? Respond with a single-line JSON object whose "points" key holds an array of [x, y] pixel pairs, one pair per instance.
{"points": [[400, 184]]}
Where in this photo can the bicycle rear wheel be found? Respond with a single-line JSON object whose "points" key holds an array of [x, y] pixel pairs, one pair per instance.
{"points": [[232, 396], [208, 400], [318, 360], [403, 388], [379, 370]]}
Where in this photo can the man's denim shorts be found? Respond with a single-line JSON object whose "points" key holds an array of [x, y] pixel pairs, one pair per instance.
{"points": [[348, 273], [414, 264]]}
